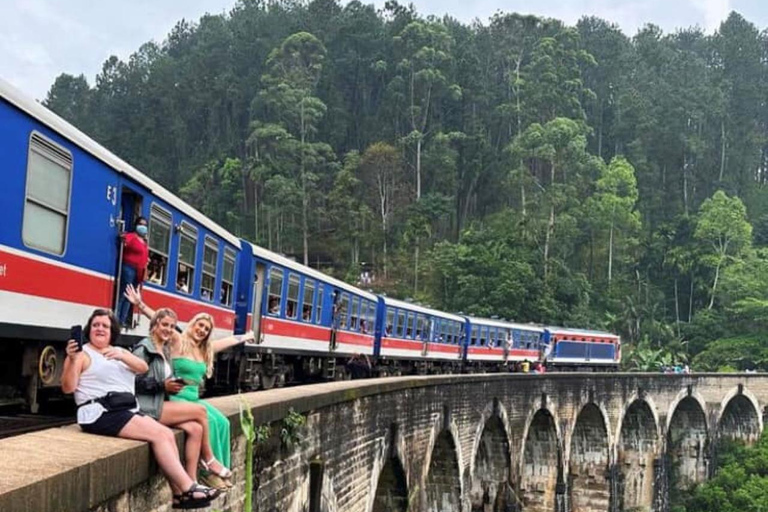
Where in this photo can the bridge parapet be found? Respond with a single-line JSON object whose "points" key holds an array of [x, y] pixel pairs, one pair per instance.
{"points": [[438, 444]]}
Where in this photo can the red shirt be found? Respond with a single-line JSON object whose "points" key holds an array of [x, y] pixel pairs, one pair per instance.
{"points": [[136, 253]]}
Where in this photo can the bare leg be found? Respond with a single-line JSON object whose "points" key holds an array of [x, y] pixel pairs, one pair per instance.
{"points": [[192, 446], [176, 413], [144, 428]]}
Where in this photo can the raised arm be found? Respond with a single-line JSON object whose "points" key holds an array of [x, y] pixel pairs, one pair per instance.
{"points": [[134, 297], [73, 367], [231, 341]]}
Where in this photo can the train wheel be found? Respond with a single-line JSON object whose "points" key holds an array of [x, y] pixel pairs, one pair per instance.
{"points": [[268, 381], [48, 365]]}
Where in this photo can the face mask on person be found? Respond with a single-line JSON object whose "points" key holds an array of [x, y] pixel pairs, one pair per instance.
{"points": [[141, 230]]}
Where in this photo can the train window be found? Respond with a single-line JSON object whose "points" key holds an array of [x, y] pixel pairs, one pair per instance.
{"points": [[159, 245], [483, 336], [46, 209], [343, 306], [367, 317], [292, 306], [388, 329], [210, 261], [409, 320], [419, 326], [185, 268], [275, 291], [354, 313], [319, 308], [400, 328], [227, 277], [309, 294], [473, 339]]}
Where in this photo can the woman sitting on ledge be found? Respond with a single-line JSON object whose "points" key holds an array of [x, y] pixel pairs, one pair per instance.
{"points": [[102, 378], [192, 353]]}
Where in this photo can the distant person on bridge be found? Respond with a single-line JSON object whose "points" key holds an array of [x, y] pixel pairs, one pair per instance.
{"points": [[102, 377], [192, 356], [134, 267]]}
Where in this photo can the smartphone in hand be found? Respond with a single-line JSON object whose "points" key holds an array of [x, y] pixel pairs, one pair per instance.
{"points": [[76, 333]]}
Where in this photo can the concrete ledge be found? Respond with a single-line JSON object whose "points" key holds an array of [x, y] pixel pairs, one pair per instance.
{"points": [[64, 469]]}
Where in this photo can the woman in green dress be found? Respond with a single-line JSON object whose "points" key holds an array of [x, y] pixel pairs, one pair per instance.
{"points": [[192, 357]]}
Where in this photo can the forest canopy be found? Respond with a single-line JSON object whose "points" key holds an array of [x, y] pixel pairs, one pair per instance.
{"points": [[570, 175]]}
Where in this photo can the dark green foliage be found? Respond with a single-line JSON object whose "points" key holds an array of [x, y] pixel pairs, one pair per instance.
{"points": [[740, 484], [519, 168]]}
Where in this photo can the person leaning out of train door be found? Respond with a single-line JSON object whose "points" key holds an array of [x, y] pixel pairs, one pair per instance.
{"points": [[134, 267], [102, 377]]}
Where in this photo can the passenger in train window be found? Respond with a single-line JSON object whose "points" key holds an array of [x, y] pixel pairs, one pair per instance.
{"points": [[192, 352], [102, 377], [388, 331], [306, 313], [274, 306], [134, 265], [363, 326]]}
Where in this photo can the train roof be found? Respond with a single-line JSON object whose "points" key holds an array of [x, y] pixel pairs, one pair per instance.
{"points": [[16, 98], [307, 271], [504, 324], [580, 332], [421, 309]]}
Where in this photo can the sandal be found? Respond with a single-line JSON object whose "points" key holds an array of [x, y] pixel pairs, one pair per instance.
{"points": [[224, 472], [187, 499], [214, 481]]}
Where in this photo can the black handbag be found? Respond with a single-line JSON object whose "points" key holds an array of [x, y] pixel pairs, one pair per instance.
{"points": [[118, 401]]}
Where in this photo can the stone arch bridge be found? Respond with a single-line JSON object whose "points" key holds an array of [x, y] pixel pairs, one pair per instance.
{"points": [[466, 443], [488, 443]]}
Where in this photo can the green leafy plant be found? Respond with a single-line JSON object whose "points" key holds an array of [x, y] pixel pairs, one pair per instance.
{"points": [[251, 434], [290, 434]]}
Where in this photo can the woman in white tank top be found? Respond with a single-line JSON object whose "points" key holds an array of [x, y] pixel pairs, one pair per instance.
{"points": [[100, 368]]}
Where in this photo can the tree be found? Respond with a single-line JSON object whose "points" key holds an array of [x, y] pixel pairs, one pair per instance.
{"points": [[723, 226], [612, 207], [423, 75], [294, 70], [382, 172]]}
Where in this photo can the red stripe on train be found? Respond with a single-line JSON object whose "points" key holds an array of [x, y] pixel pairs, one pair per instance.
{"points": [[32, 277], [279, 327], [187, 308]]}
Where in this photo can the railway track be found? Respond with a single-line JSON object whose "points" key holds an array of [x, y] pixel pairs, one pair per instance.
{"points": [[18, 424]]}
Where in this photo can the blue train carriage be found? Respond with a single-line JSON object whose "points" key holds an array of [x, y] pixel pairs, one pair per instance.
{"points": [[492, 344], [581, 349], [307, 324], [418, 339], [64, 201]]}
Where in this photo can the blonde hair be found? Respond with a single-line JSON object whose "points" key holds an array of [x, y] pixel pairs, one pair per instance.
{"points": [[159, 315], [187, 346]]}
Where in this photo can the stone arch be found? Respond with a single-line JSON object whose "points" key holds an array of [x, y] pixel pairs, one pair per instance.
{"points": [[389, 478], [391, 488], [687, 443], [589, 462], [443, 481], [636, 452], [739, 417], [540, 470], [491, 466]]}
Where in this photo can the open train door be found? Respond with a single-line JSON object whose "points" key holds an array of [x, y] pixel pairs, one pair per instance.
{"points": [[259, 285], [131, 202]]}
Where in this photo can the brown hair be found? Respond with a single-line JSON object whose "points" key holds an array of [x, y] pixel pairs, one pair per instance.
{"points": [[114, 325], [159, 315]]}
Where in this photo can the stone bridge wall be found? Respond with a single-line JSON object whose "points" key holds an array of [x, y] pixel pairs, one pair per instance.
{"points": [[474, 443]]}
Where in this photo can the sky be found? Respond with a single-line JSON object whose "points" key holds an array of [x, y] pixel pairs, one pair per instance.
{"points": [[40, 39]]}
